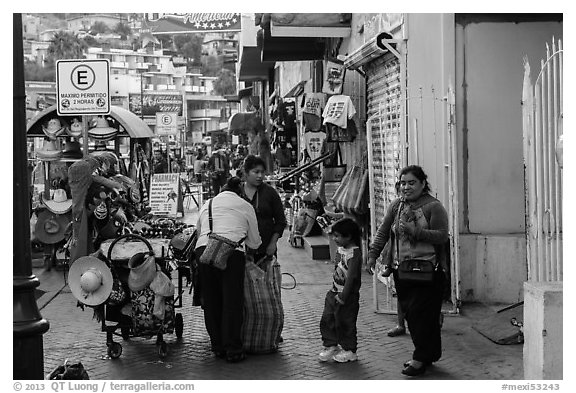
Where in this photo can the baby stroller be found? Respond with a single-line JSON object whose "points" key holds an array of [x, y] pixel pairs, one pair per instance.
{"points": [[141, 322]]}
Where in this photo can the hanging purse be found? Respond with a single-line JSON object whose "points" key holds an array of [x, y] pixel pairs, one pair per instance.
{"points": [[335, 172], [218, 249], [413, 270]]}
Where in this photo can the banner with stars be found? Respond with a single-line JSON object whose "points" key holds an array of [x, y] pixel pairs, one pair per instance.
{"points": [[193, 23]]}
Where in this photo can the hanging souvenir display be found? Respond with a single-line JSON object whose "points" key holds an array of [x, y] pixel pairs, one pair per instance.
{"points": [[334, 78], [49, 151], [102, 131], [75, 129], [53, 129]]}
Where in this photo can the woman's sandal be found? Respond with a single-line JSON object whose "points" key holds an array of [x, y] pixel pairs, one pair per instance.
{"points": [[412, 371], [235, 357]]}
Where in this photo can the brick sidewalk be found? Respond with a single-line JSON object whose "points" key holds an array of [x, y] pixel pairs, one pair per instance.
{"points": [[467, 355]]}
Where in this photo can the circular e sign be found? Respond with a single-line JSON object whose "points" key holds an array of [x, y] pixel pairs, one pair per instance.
{"points": [[83, 77], [166, 120]]}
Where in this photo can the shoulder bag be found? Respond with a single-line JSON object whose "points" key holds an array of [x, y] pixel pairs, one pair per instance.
{"points": [[218, 249], [413, 270]]}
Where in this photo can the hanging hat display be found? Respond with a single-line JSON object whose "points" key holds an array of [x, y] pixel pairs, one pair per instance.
{"points": [[72, 150], [134, 194], [53, 128], [75, 129], [102, 131], [49, 152], [51, 227], [59, 204], [101, 211], [90, 280]]}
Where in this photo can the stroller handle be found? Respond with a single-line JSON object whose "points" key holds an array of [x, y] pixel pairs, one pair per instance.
{"points": [[128, 236]]}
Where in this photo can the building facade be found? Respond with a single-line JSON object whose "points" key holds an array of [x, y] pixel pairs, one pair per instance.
{"points": [[439, 90]]}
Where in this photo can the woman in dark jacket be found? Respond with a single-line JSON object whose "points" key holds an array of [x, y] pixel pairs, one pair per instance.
{"points": [[267, 204], [417, 226]]}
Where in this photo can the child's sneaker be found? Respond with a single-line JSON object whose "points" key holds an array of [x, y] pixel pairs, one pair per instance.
{"points": [[345, 356], [387, 272], [328, 352]]}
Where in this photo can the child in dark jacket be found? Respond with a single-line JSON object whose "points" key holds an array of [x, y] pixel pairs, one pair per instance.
{"points": [[338, 323]]}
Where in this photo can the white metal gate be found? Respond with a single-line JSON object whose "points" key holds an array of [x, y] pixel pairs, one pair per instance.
{"points": [[542, 126]]}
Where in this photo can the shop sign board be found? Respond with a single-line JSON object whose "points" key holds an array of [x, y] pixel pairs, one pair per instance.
{"points": [[83, 87], [196, 136], [148, 104], [184, 23], [165, 194], [166, 123]]}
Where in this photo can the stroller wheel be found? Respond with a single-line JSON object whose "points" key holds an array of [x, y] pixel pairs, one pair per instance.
{"points": [[114, 350], [179, 325], [162, 349]]}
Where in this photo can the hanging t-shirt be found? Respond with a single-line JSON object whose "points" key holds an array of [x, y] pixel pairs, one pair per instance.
{"points": [[287, 112], [314, 142], [338, 110], [281, 137], [313, 103], [284, 157]]}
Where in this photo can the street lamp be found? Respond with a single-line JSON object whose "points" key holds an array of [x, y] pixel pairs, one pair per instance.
{"points": [[27, 324]]}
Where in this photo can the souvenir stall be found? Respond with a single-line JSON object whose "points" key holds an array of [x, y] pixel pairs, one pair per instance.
{"points": [[123, 257]]}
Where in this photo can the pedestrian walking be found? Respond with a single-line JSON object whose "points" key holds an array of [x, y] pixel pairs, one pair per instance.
{"points": [[342, 303], [267, 204], [222, 291], [219, 166], [416, 224]]}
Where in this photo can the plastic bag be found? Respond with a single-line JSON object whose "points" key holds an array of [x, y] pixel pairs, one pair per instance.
{"points": [[162, 287]]}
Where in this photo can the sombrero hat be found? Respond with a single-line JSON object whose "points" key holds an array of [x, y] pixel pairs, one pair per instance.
{"points": [[51, 227], [75, 129], [72, 150], [53, 128], [102, 131], [49, 152], [59, 204], [90, 280]]}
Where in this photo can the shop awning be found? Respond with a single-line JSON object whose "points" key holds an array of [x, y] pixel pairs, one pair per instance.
{"points": [[252, 68], [132, 125], [310, 25], [290, 48], [296, 90], [242, 122]]}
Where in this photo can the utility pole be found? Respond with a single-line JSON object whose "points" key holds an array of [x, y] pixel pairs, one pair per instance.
{"points": [[27, 324]]}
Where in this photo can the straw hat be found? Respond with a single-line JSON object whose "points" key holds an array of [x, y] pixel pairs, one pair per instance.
{"points": [[102, 131], [59, 204], [49, 152], [53, 128], [75, 129], [51, 227], [90, 280], [72, 150]]}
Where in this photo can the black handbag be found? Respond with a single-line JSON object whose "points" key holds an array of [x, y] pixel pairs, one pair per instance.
{"points": [[414, 270], [218, 249]]}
